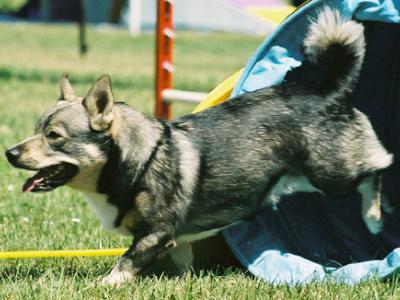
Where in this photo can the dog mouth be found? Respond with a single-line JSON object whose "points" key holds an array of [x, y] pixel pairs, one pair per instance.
{"points": [[49, 178]]}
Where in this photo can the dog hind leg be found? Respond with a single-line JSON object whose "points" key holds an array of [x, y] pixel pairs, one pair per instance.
{"points": [[370, 189], [182, 257]]}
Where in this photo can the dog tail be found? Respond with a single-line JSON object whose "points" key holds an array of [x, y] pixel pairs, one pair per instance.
{"points": [[336, 47]]}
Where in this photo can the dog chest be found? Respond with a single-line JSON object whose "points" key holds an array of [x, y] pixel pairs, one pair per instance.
{"points": [[107, 213]]}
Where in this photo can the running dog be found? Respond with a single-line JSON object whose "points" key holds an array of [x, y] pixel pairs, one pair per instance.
{"points": [[169, 183]]}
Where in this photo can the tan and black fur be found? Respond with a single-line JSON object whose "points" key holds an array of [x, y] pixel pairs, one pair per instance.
{"points": [[171, 183]]}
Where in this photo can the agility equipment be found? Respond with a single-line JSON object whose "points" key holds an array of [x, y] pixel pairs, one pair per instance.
{"points": [[165, 94], [309, 237], [61, 253]]}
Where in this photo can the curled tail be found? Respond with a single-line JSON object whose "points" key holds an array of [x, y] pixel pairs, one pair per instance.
{"points": [[336, 46]]}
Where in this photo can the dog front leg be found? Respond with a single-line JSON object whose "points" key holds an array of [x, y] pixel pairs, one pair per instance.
{"points": [[370, 189], [142, 252]]}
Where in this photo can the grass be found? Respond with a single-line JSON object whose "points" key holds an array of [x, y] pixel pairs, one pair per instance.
{"points": [[32, 57]]}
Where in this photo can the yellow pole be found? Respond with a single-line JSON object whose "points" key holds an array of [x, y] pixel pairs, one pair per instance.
{"points": [[62, 253]]}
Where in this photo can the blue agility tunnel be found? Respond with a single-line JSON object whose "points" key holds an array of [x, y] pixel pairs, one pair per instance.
{"points": [[311, 237]]}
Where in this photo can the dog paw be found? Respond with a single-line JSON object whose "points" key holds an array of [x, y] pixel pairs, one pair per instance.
{"points": [[116, 278], [375, 225]]}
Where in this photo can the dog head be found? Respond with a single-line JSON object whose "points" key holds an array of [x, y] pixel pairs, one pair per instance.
{"points": [[71, 141]]}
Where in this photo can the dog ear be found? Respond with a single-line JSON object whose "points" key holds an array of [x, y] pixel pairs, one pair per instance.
{"points": [[67, 93], [99, 104]]}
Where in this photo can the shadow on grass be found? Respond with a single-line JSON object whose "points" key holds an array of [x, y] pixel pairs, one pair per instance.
{"points": [[212, 257], [32, 274]]}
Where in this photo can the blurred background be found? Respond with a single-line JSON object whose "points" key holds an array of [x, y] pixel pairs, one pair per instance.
{"points": [[42, 38]]}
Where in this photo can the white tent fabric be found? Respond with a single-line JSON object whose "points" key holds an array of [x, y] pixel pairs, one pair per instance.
{"points": [[215, 15]]}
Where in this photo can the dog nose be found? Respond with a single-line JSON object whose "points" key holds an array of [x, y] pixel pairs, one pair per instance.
{"points": [[12, 154]]}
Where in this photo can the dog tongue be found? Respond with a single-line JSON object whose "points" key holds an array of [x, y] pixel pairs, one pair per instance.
{"points": [[32, 182]]}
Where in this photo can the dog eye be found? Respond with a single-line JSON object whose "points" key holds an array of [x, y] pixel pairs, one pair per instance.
{"points": [[53, 135]]}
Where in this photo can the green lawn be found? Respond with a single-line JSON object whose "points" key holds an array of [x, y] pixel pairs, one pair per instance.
{"points": [[32, 57]]}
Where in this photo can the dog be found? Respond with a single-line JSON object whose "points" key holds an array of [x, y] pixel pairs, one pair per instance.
{"points": [[169, 183]]}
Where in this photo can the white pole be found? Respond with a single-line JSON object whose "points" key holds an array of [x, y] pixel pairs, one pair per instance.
{"points": [[134, 16]]}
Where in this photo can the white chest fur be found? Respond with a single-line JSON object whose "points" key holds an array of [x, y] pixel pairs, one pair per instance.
{"points": [[106, 212]]}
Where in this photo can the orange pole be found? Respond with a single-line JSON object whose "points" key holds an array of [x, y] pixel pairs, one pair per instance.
{"points": [[164, 62]]}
